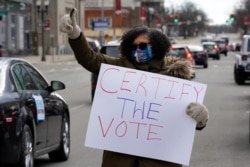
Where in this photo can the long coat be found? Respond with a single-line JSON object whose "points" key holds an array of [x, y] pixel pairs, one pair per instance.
{"points": [[92, 61]]}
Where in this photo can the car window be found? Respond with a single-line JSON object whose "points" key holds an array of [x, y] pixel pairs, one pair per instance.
{"points": [[195, 49], [226, 39], [208, 46], [179, 51], [22, 78], [220, 42], [40, 82], [173, 53], [113, 51]]}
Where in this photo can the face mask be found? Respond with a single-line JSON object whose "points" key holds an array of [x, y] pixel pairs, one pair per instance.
{"points": [[142, 55]]}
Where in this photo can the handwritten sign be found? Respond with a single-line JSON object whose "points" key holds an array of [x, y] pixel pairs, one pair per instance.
{"points": [[141, 113]]}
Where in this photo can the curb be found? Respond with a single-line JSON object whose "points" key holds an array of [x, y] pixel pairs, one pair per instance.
{"points": [[48, 59]]}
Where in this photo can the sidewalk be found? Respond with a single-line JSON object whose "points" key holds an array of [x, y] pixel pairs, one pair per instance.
{"points": [[34, 59]]}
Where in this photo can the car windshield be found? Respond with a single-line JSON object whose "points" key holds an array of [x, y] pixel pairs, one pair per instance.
{"points": [[113, 51], [220, 42], [177, 52], [208, 46], [226, 39]]}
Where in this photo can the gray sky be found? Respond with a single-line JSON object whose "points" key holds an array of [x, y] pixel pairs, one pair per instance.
{"points": [[217, 10]]}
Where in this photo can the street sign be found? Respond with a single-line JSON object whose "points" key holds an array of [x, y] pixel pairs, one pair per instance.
{"points": [[4, 12], [246, 20], [100, 25], [143, 12]]}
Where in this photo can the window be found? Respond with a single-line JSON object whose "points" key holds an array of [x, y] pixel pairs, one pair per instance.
{"points": [[113, 51], [40, 82], [27, 78], [22, 78]]}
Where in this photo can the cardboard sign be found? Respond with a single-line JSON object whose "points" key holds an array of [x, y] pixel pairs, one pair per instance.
{"points": [[144, 114]]}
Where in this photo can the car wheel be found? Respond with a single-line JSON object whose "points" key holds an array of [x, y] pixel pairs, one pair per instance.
{"points": [[218, 57], [27, 156], [238, 77], [62, 154], [205, 65]]}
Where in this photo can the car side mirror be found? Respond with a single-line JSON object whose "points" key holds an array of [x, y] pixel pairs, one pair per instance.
{"points": [[56, 85]]}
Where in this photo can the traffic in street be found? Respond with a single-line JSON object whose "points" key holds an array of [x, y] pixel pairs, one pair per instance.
{"points": [[224, 142]]}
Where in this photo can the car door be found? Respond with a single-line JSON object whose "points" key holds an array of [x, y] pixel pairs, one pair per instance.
{"points": [[53, 107], [31, 97]]}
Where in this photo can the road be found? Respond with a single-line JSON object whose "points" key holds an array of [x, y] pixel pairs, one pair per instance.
{"points": [[223, 143]]}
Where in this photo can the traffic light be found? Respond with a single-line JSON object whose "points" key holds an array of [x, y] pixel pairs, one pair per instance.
{"points": [[176, 19], [232, 18]]}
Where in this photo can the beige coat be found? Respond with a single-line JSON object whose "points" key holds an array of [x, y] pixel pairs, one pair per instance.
{"points": [[91, 61]]}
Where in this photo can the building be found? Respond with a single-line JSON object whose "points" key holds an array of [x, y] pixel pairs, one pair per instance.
{"points": [[16, 26], [32, 26], [129, 16], [98, 10], [27, 29]]}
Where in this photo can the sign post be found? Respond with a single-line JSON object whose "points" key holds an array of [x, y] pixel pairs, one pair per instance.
{"points": [[246, 20]]}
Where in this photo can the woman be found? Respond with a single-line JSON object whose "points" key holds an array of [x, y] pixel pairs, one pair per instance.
{"points": [[141, 48]]}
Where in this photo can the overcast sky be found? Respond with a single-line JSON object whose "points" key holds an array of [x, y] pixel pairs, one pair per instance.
{"points": [[217, 10]]}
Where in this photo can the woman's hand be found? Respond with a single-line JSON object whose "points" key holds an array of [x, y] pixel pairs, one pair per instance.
{"points": [[69, 26], [198, 112]]}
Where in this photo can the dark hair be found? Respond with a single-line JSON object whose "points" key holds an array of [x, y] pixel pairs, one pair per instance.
{"points": [[159, 42]]}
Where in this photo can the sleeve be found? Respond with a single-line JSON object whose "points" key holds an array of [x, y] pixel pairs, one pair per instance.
{"points": [[88, 58]]}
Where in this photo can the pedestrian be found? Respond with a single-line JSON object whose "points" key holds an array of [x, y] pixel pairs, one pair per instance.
{"points": [[141, 48]]}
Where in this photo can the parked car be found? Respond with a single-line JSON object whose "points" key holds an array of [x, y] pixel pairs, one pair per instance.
{"points": [[212, 49], [223, 46], [184, 52], [94, 44], [242, 62], [34, 119], [112, 49], [199, 54]]}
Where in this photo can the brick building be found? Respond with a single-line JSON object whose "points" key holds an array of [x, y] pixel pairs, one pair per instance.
{"points": [[21, 30], [105, 9]]}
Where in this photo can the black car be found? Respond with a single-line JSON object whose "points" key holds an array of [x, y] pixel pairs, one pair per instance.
{"points": [[94, 44], [111, 49], [34, 119], [199, 54], [226, 39]]}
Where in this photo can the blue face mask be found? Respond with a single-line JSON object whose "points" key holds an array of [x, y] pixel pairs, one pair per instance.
{"points": [[142, 55]]}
